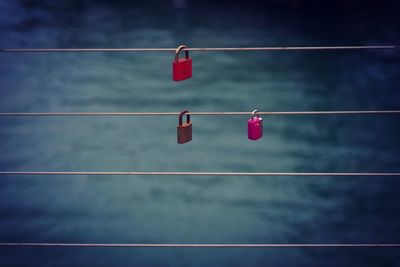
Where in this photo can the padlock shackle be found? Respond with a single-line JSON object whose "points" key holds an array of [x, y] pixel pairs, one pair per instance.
{"points": [[254, 113], [181, 115], [179, 50]]}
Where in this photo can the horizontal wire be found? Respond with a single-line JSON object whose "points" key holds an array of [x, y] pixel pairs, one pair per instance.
{"points": [[279, 48], [300, 245], [61, 114], [201, 173]]}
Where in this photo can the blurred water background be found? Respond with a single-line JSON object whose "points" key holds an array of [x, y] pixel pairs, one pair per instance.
{"points": [[199, 209]]}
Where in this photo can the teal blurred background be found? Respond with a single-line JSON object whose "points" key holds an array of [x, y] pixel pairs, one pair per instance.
{"points": [[114, 209]]}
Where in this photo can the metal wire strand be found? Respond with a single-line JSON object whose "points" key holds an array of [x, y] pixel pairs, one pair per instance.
{"points": [[278, 48], [131, 173], [65, 114], [300, 245]]}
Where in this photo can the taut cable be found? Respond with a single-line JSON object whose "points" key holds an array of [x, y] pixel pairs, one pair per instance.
{"points": [[299, 245], [278, 48], [65, 114], [131, 173]]}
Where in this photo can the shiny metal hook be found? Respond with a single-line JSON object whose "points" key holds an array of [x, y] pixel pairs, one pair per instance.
{"points": [[178, 49], [254, 113]]}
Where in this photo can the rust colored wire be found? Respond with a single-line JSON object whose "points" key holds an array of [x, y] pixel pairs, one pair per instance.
{"points": [[64, 114], [278, 48], [299, 245], [131, 173]]}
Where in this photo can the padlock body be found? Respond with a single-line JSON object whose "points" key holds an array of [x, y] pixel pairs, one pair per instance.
{"points": [[182, 69], [255, 128], [184, 133]]}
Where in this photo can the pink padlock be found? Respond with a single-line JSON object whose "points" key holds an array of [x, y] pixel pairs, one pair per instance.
{"points": [[255, 126]]}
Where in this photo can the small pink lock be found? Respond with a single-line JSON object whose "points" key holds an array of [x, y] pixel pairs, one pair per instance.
{"points": [[255, 126]]}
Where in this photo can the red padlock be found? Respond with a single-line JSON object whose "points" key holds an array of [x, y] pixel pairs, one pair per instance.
{"points": [[255, 126], [181, 67]]}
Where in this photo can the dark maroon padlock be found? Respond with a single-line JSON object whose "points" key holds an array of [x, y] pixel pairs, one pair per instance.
{"points": [[184, 130], [181, 67]]}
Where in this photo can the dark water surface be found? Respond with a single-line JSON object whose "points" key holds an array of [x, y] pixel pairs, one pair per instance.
{"points": [[113, 209]]}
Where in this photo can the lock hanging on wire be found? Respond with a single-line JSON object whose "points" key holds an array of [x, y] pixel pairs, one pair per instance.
{"points": [[184, 130], [255, 126], [181, 67]]}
